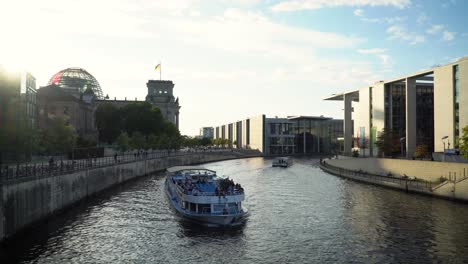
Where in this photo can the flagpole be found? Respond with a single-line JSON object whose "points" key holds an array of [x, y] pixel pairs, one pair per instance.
{"points": [[160, 70]]}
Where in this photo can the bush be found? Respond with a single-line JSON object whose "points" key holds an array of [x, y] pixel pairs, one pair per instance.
{"points": [[421, 151]]}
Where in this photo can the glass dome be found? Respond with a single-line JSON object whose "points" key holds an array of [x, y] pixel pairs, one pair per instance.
{"points": [[76, 80]]}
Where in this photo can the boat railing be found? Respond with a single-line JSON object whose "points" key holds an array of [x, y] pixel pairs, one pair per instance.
{"points": [[207, 211], [181, 191]]}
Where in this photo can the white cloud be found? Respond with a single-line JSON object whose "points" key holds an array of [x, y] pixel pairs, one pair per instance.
{"points": [[434, 29], [388, 20], [422, 19], [210, 55], [448, 3], [401, 33], [448, 36], [358, 12], [385, 58], [378, 52], [372, 51], [295, 5]]}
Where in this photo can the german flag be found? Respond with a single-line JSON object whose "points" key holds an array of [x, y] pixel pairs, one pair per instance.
{"points": [[158, 67]]}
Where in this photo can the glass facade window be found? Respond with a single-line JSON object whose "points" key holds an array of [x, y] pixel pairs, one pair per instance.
{"points": [[76, 79], [395, 112], [395, 108], [273, 129], [425, 116]]}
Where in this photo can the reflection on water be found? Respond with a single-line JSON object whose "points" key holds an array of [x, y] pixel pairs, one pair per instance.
{"points": [[299, 214]]}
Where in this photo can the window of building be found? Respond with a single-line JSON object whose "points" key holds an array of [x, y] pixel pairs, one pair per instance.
{"points": [[456, 99], [272, 129]]}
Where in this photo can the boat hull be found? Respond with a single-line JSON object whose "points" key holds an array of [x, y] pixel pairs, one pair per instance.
{"points": [[205, 219], [280, 165]]}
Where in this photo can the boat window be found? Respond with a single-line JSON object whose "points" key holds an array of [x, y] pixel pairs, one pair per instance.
{"points": [[193, 207], [204, 208], [219, 207]]}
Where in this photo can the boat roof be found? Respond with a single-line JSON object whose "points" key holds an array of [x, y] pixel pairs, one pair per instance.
{"points": [[187, 168]]}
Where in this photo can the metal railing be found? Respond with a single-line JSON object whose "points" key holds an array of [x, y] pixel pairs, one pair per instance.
{"points": [[181, 190], [404, 183], [54, 168]]}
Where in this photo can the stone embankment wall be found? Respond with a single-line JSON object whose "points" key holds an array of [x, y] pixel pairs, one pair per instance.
{"points": [[452, 188], [24, 201], [425, 170]]}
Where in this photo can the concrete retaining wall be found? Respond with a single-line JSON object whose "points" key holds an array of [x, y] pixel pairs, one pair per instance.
{"points": [[426, 170], [25, 201], [450, 189]]}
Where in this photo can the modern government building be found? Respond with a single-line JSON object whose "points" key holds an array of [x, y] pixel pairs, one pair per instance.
{"points": [[428, 107], [278, 136]]}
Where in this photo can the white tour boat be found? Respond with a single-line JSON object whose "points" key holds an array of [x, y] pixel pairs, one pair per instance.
{"points": [[282, 162], [199, 195]]}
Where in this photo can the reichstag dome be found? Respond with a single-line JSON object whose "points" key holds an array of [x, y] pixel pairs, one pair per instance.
{"points": [[76, 81]]}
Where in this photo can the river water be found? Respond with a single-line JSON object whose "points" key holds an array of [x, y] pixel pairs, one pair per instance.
{"points": [[298, 215]]}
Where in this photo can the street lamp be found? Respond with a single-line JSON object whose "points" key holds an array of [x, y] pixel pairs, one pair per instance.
{"points": [[443, 142], [403, 139]]}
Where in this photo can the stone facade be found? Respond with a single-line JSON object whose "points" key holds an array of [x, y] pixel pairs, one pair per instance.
{"points": [[160, 94], [54, 102], [79, 111]]}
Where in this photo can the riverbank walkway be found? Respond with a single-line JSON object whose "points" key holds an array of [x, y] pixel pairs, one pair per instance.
{"points": [[61, 167]]}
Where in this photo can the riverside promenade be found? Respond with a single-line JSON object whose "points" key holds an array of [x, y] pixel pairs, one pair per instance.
{"points": [[32, 192], [438, 179]]}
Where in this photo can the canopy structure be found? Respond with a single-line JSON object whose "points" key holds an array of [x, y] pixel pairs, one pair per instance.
{"points": [[187, 168]]}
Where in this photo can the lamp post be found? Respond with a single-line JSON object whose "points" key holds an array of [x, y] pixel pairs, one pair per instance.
{"points": [[443, 142], [402, 140]]}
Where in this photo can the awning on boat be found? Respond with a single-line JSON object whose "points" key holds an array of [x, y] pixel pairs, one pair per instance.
{"points": [[187, 168]]}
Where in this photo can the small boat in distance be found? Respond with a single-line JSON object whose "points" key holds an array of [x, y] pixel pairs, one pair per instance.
{"points": [[282, 162], [199, 195]]}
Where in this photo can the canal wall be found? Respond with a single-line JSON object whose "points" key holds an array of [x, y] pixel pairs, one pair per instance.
{"points": [[451, 188], [27, 200], [425, 170]]}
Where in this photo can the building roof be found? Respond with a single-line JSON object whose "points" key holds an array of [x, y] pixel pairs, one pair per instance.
{"points": [[340, 96], [309, 117], [186, 168], [55, 92], [77, 78], [422, 75]]}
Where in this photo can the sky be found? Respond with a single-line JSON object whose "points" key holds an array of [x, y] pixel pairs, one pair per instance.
{"points": [[233, 59]]}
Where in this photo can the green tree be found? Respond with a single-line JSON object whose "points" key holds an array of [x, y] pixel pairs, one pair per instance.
{"points": [[138, 141], [206, 142], [164, 142], [144, 118], [153, 141], [18, 140], [123, 142], [464, 142], [388, 142], [60, 138], [108, 122]]}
